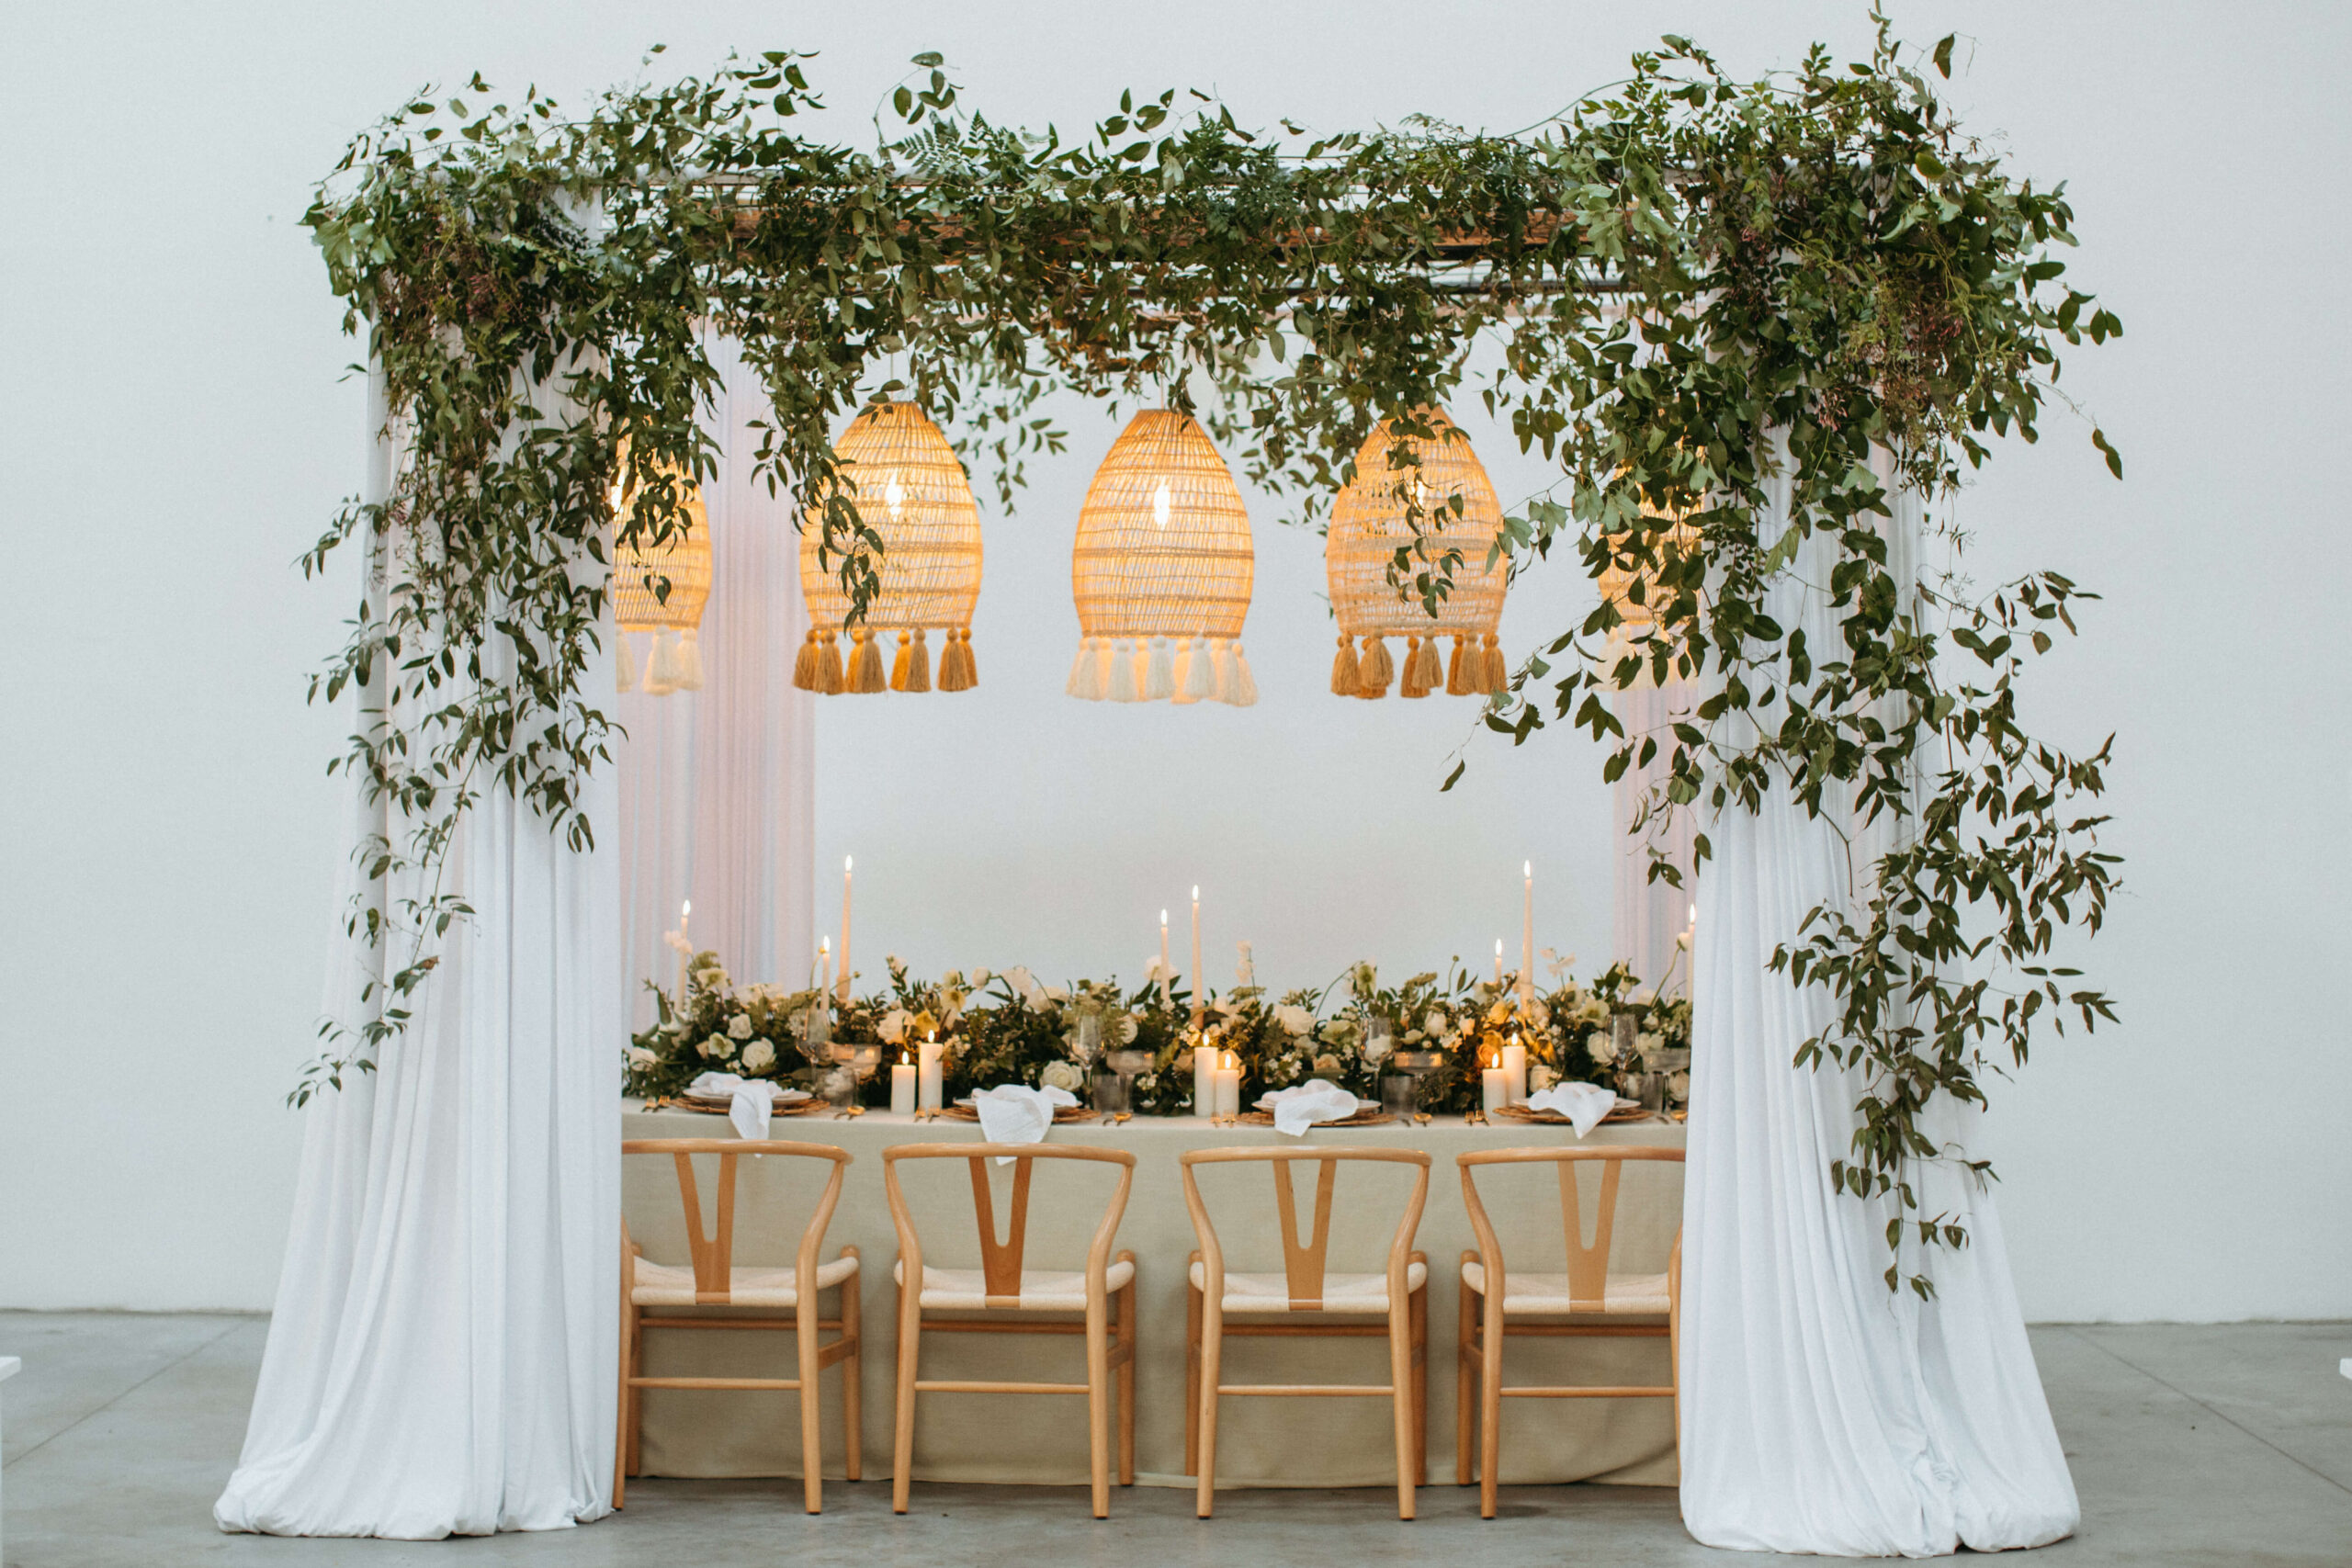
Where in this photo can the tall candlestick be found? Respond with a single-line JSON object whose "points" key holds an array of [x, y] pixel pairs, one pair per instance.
{"points": [[685, 949], [1498, 964], [824, 966], [1200, 990], [1690, 957], [1527, 942], [1164, 997], [903, 1087], [844, 982]]}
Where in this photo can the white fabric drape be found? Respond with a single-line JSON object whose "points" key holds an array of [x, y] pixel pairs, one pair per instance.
{"points": [[441, 1357], [717, 787], [1822, 1413], [1650, 915]]}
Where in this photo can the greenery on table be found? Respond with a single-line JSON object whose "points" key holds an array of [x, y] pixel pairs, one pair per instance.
{"points": [[1696, 293]]}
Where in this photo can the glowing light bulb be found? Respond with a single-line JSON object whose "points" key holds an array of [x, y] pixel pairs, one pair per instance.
{"points": [[895, 495], [1160, 504]]}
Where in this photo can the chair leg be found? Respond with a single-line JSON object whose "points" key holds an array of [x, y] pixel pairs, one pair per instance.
{"points": [[620, 1406], [1466, 1382], [853, 1378], [637, 1400], [1098, 1403], [903, 1439], [1400, 1399], [1490, 1403], [812, 1432], [1212, 1346], [1127, 1385], [1674, 1348], [1192, 1377], [1422, 1386]]}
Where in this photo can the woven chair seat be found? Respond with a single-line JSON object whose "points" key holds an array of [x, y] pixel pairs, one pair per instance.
{"points": [[1549, 1292], [1341, 1292], [1041, 1290], [668, 1285]]}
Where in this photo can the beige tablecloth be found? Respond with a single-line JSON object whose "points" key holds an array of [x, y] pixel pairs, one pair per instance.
{"points": [[1041, 1439]]}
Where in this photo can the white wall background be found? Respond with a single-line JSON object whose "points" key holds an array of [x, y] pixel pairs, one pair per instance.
{"points": [[175, 428]]}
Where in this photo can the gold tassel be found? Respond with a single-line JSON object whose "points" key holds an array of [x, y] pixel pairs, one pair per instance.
{"points": [[830, 676], [899, 666], [1456, 684], [971, 665], [1377, 667], [956, 662], [1497, 668], [1347, 680], [918, 662], [1409, 682], [1433, 677], [805, 669], [865, 675]]}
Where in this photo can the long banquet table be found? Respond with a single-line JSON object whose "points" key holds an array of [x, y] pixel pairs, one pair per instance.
{"points": [[1260, 1442]]}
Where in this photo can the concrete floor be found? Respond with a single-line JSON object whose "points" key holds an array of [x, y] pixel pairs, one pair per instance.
{"points": [[2228, 1446]]}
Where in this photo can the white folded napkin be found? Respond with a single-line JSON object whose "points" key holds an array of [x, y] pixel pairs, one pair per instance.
{"points": [[1016, 1113], [1583, 1104], [1298, 1108], [751, 1102]]}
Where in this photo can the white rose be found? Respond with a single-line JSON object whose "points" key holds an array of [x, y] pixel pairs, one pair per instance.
{"points": [[1327, 1065], [1678, 1084], [1540, 1077], [716, 1047], [739, 1027], [1538, 1015], [1293, 1020], [1056, 995], [1063, 1076], [1648, 1044], [980, 976], [1601, 1049], [1435, 1022], [893, 1027], [1124, 1027], [1645, 996], [639, 1056], [1376, 1049], [758, 1056]]}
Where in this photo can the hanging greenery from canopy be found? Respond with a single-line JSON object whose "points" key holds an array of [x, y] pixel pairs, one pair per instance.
{"points": [[1657, 278]]}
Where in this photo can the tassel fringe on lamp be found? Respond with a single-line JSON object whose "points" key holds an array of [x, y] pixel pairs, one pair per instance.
{"points": [[911, 490], [1370, 522], [1161, 570], [675, 619]]}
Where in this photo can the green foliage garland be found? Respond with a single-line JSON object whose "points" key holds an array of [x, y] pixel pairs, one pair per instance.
{"points": [[1693, 288]]}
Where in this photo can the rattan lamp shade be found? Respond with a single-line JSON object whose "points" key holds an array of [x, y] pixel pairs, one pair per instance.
{"points": [[1618, 586], [1370, 521], [1161, 570], [911, 490], [675, 618]]}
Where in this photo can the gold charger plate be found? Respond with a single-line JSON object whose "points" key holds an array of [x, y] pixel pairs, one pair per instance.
{"points": [[809, 1107], [1373, 1118], [1062, 1113], [1624, 1111]]}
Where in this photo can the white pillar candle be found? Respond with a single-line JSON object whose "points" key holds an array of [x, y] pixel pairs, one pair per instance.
{"points": [[1515, 1073], [928, 1076], [903, 1087], [1495, 1086], [685, 949], [1527, 942], [1228, 1087], [1200, 991], [844, 984], [1204, 1080]]}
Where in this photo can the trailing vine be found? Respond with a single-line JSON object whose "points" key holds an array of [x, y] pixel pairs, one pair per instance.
{"points": [[1685, 292]]}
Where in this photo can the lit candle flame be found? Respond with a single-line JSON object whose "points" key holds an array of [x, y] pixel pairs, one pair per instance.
{"points": [[685, 909], [848, 860]]}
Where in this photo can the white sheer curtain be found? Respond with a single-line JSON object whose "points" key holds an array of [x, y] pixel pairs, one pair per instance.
{"points": [[441, 1357], [1821, 1412], [1650, 915], [717, 787]]}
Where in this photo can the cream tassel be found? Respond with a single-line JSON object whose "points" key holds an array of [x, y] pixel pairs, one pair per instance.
{"points": [[1245, 690], [1160, 678], [865, 675], [955, 672], [1222, 651], [1409, 682], [808, 671], [1200, 672], [1456, 683], [898, 665], [661, 668], [1183, 668], [917, 663], [1085, 673], [689, 676], [624, 664], [1347, 680], [1377, 669], [1123, 673], [830, 678]]}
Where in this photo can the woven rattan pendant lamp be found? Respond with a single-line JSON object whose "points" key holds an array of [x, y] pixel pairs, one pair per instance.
{"points": [[1637, 598], [1161, 570], [911, 490], [675, 618], [1370, 522]]}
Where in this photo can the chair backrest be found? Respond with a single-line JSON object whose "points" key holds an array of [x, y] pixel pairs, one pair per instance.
{"points": [[1588, 1265], [1001, 1260], [713, 1252], [1304, 1259]]}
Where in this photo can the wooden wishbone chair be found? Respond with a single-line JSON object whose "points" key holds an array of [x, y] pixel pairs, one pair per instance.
{"points": [[714, 1281], [1400, 1294], [1001, 1284], [1579, 1303]]}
